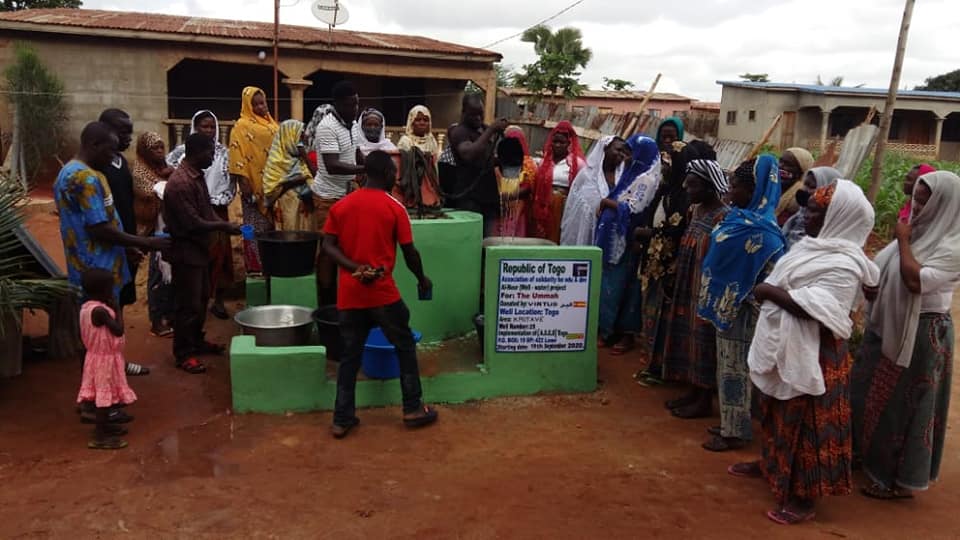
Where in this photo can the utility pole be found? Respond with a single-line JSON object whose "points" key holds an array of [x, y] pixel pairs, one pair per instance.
{"points": [[887, 117], [276, 58]]}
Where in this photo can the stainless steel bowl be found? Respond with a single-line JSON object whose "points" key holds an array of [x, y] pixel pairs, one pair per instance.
{"points": [[278, 325]]}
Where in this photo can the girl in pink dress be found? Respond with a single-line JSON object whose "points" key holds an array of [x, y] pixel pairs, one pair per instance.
{"points": [[104, 379]]}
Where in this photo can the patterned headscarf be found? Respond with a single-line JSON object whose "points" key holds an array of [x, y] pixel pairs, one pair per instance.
{"points": [[709, 170], [742, 246], [284, 161], [250, 142]]}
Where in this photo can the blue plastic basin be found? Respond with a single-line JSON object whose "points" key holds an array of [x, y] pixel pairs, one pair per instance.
{"points": [[380, 357]]}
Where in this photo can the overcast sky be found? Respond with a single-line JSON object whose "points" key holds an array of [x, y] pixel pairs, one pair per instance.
{"points": [[693, 43]]}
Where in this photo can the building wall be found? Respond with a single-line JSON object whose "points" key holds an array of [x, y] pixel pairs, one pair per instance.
{"points": [[765, 105], [132, 75], [96, 77]]}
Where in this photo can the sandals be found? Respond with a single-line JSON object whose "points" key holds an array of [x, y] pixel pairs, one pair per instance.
{"points": [[715, 431], [192, 366], [621, 348], [136, 370], [787, 517], [340, 431], [724, 444], [110, 443], [421, 418], [747, 469], [876, 491], [161, 332]]}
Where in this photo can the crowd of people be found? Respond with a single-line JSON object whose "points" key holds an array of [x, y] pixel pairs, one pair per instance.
{"points": [[742, 287], [736, 285]]}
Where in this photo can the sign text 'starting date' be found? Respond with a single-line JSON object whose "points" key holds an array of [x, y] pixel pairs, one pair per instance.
{"points": [[542, 306]]}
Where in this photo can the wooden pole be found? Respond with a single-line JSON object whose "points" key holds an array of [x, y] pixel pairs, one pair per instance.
{"points": [[276, 58], [887, 117], [634, 125], [763, 140]]}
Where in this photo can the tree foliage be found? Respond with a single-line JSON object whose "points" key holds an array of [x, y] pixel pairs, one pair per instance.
{"points": [[617, 85], [948, 82], [561, 55], [37, 95], [755, 77], [17, 5], [505, 75]]}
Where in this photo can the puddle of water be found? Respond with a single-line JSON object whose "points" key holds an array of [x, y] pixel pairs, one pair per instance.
{"points": [[209, 450]]}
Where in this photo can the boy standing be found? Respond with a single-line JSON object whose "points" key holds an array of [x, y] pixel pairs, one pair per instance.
{"points": [[361, 235]]}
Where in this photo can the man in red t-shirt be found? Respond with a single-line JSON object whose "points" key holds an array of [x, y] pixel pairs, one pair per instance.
{"points": [[361, 234]]}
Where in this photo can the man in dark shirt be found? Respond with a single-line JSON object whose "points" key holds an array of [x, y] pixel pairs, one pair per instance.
{"points": [[361, 235], [121, 185], [190, 219], [474, 186]]}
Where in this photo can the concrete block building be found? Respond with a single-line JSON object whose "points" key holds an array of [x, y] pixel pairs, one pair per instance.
{"points": [[162, 68], [924, 123]]}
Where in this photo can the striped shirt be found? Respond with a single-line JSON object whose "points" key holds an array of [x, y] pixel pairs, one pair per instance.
{"points": [[333, 138]]}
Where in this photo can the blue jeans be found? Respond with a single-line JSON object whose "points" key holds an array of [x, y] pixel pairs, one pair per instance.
{"points": [[355, 325]]}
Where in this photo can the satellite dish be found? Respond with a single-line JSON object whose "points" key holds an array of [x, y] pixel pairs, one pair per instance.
{"points": [[331, 12]]}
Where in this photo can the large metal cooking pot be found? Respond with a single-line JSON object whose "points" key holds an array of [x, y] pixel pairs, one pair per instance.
{"points": [[277, 326], [288, 253]]}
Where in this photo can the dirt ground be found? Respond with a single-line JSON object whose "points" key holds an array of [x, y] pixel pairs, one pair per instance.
{"points": [[611, 464]]}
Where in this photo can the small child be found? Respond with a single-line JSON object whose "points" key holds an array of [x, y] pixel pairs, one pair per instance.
{"points": [[104, 377]]}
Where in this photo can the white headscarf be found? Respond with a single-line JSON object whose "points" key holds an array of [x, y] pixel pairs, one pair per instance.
{"points": [[589, 188], [383, 143], [823, 275], [222, 189], [935, 243]]}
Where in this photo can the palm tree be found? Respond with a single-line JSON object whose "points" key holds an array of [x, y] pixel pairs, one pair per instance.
{"points": [[560, 56], [565, 41]]}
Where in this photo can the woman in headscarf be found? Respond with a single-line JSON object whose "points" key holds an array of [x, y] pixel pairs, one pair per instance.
{"points": [[250, 142], [743, 250], [515, 171], [590, 188], [902, 376], [799, 359], [371, 132], [909, 181], [690, 344], [794, 164], [310, 132], [222, 189], [658, 243], [150, 167], [419, 185], [670, 142], [620, 289], [418, 133], [284, 177], [795, 228], [562, 160]]}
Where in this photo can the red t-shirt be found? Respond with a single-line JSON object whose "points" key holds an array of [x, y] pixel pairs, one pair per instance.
{"points": [[369, 224]]}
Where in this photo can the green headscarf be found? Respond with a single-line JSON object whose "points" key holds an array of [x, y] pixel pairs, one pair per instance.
{"points": [[676, 122]]}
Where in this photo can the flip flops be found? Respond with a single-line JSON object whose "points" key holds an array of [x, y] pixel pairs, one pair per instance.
{"points": [[724, 444], [192, 366], [421, 418], [876, 491], [340, 431], [749, 469], [786, 517], [110, 443], [136, 370]]}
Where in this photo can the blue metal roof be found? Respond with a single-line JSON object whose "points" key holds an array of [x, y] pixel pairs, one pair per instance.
{"points": [[849, 90]]}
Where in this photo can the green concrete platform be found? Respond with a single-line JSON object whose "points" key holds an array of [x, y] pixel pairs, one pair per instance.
{"points": [[280, 379]]}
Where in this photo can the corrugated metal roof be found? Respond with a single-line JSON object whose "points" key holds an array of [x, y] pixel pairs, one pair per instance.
{"points": [[228, 29], [605, 94], [846, 90]]}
